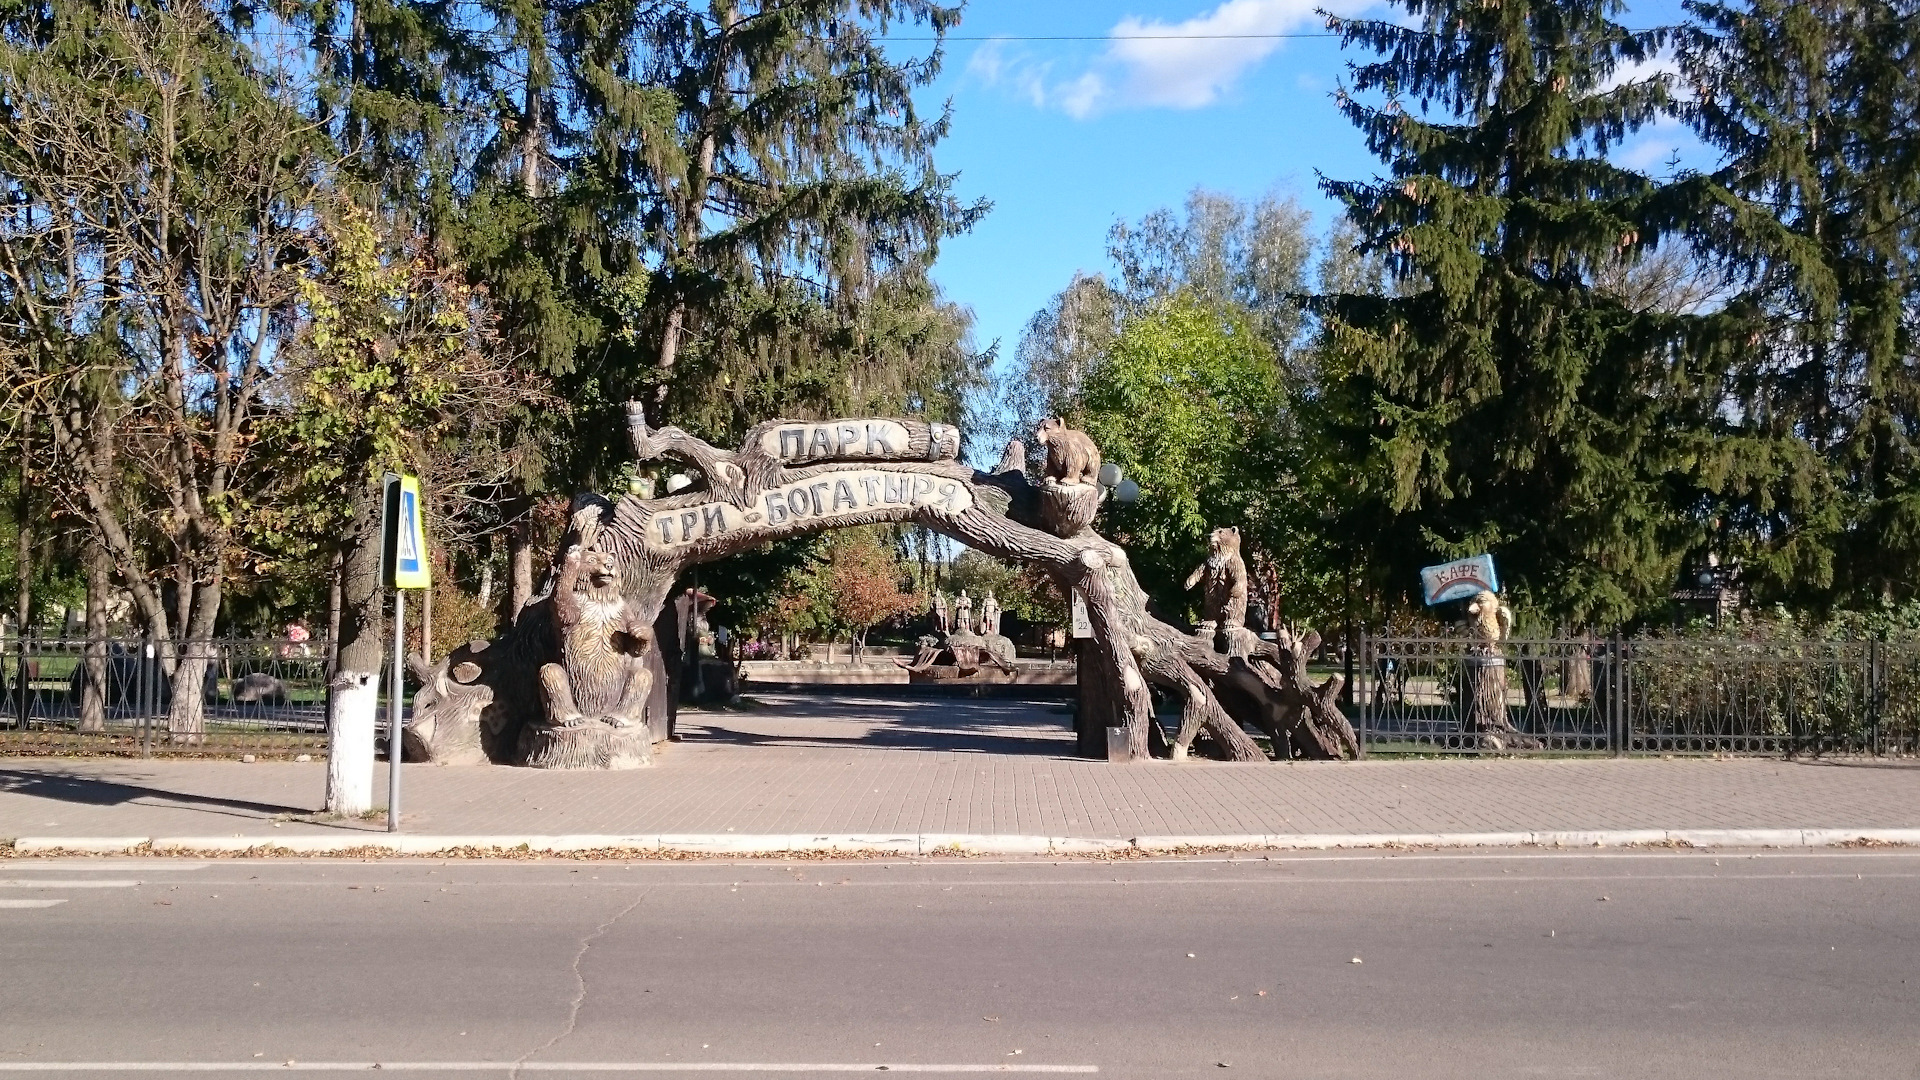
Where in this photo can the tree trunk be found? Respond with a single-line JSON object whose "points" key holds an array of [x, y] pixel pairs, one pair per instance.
{"points": [[1533, 679], [93, 682], [519, 559], [1576, 675], [1483, 704], [95, 656], [186, 712], [669, 645], [333, 614], [1093, 712], [354, 696], [23, 595]]}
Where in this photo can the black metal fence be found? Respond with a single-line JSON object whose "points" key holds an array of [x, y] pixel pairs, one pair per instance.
{"points": [[121, 697], [1638, 695]]}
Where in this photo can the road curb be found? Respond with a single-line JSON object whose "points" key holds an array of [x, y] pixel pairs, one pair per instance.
{"points": [[916, 844]]}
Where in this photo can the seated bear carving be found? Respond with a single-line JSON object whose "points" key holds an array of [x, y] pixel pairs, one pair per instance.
{"points": [[1072, 457]]}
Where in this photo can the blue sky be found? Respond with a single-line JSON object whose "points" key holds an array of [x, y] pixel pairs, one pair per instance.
{"points": [[1067, 136]]}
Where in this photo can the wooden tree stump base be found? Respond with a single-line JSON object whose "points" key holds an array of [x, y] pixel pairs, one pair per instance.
{"points": [[592, 745], [1068, 509]]}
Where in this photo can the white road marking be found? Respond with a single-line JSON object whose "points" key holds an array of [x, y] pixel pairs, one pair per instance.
{"points": [[531, 1066], [14, 904], [78, 883]]}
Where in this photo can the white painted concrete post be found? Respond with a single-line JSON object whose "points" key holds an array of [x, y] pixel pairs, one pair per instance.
{"points": [[350, 742]]}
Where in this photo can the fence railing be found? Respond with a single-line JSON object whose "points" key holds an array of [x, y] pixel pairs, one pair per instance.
{"points": [[118, 696], [1638, 695]]}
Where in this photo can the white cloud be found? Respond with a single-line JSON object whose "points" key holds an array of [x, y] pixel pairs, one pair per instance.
{"points": [[1153, 64], [1656, 148], [995, 65], [1192, 73], [1081, 96]]}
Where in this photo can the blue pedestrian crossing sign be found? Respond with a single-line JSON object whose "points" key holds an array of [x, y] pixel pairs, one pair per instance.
{"points": [[403, 536]]}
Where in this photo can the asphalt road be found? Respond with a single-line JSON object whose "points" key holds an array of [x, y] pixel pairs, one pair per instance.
{"points": [[1653, 964]]}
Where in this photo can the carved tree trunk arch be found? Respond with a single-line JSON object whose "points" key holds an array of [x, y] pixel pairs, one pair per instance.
{"points": [[496, 701]]}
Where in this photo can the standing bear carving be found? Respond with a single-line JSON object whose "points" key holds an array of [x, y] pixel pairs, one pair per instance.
{"points": [[1225, 576], [1072, 457]]}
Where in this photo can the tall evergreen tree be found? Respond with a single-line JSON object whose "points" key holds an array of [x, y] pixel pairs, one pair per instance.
{"points": [[1494, 398], [779, 170], [1815, 211]]}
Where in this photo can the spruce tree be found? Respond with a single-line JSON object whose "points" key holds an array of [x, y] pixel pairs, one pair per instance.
{"points": [[1815, 213], [780, 174], [1493, 399]]}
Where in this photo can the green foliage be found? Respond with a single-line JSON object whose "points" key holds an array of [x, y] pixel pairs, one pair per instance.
{"points": [[748, 587], [847, 582], [160, 180], [385, 344], [1497, 400], [1021, 592], [1246, 257], [395, 369], [1815, 216], [1189, 400]]}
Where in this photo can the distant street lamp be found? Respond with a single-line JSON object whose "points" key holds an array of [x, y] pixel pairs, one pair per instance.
{"points": [[1113, 482]]}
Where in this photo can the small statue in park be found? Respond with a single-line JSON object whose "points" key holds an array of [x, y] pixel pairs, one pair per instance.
{"points": [[989, 615], [1072, 457], [1224, 575], [1489, 620], [963, 613], [602, 677], [940, 623]]}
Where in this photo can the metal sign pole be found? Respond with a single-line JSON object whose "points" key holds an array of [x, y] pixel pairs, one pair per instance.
{"points": [[396, 700]]}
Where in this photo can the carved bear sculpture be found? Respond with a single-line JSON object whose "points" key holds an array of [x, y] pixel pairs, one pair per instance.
{"points": [[602, 675], [1072, 458], [1225, 575]]}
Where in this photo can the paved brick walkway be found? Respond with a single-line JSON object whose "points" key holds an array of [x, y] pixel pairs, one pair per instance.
{"points": [[850, 765]]}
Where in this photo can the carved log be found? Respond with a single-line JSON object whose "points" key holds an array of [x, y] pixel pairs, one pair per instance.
{"points": [[589, 745], [1068, 509], [1483, 702], [491, 696]]}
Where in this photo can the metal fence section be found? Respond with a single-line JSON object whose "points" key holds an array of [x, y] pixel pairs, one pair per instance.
{"points": [[1638, 695], [1423, 694], [118, 697]]}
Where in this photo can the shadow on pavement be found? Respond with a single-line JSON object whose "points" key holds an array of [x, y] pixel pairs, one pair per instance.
{"points": [[989, 727], [96, 791], [892, 737]]}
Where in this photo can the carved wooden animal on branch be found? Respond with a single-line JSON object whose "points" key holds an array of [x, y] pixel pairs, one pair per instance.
{"points": [[1225, 575], [1072, 458]]}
